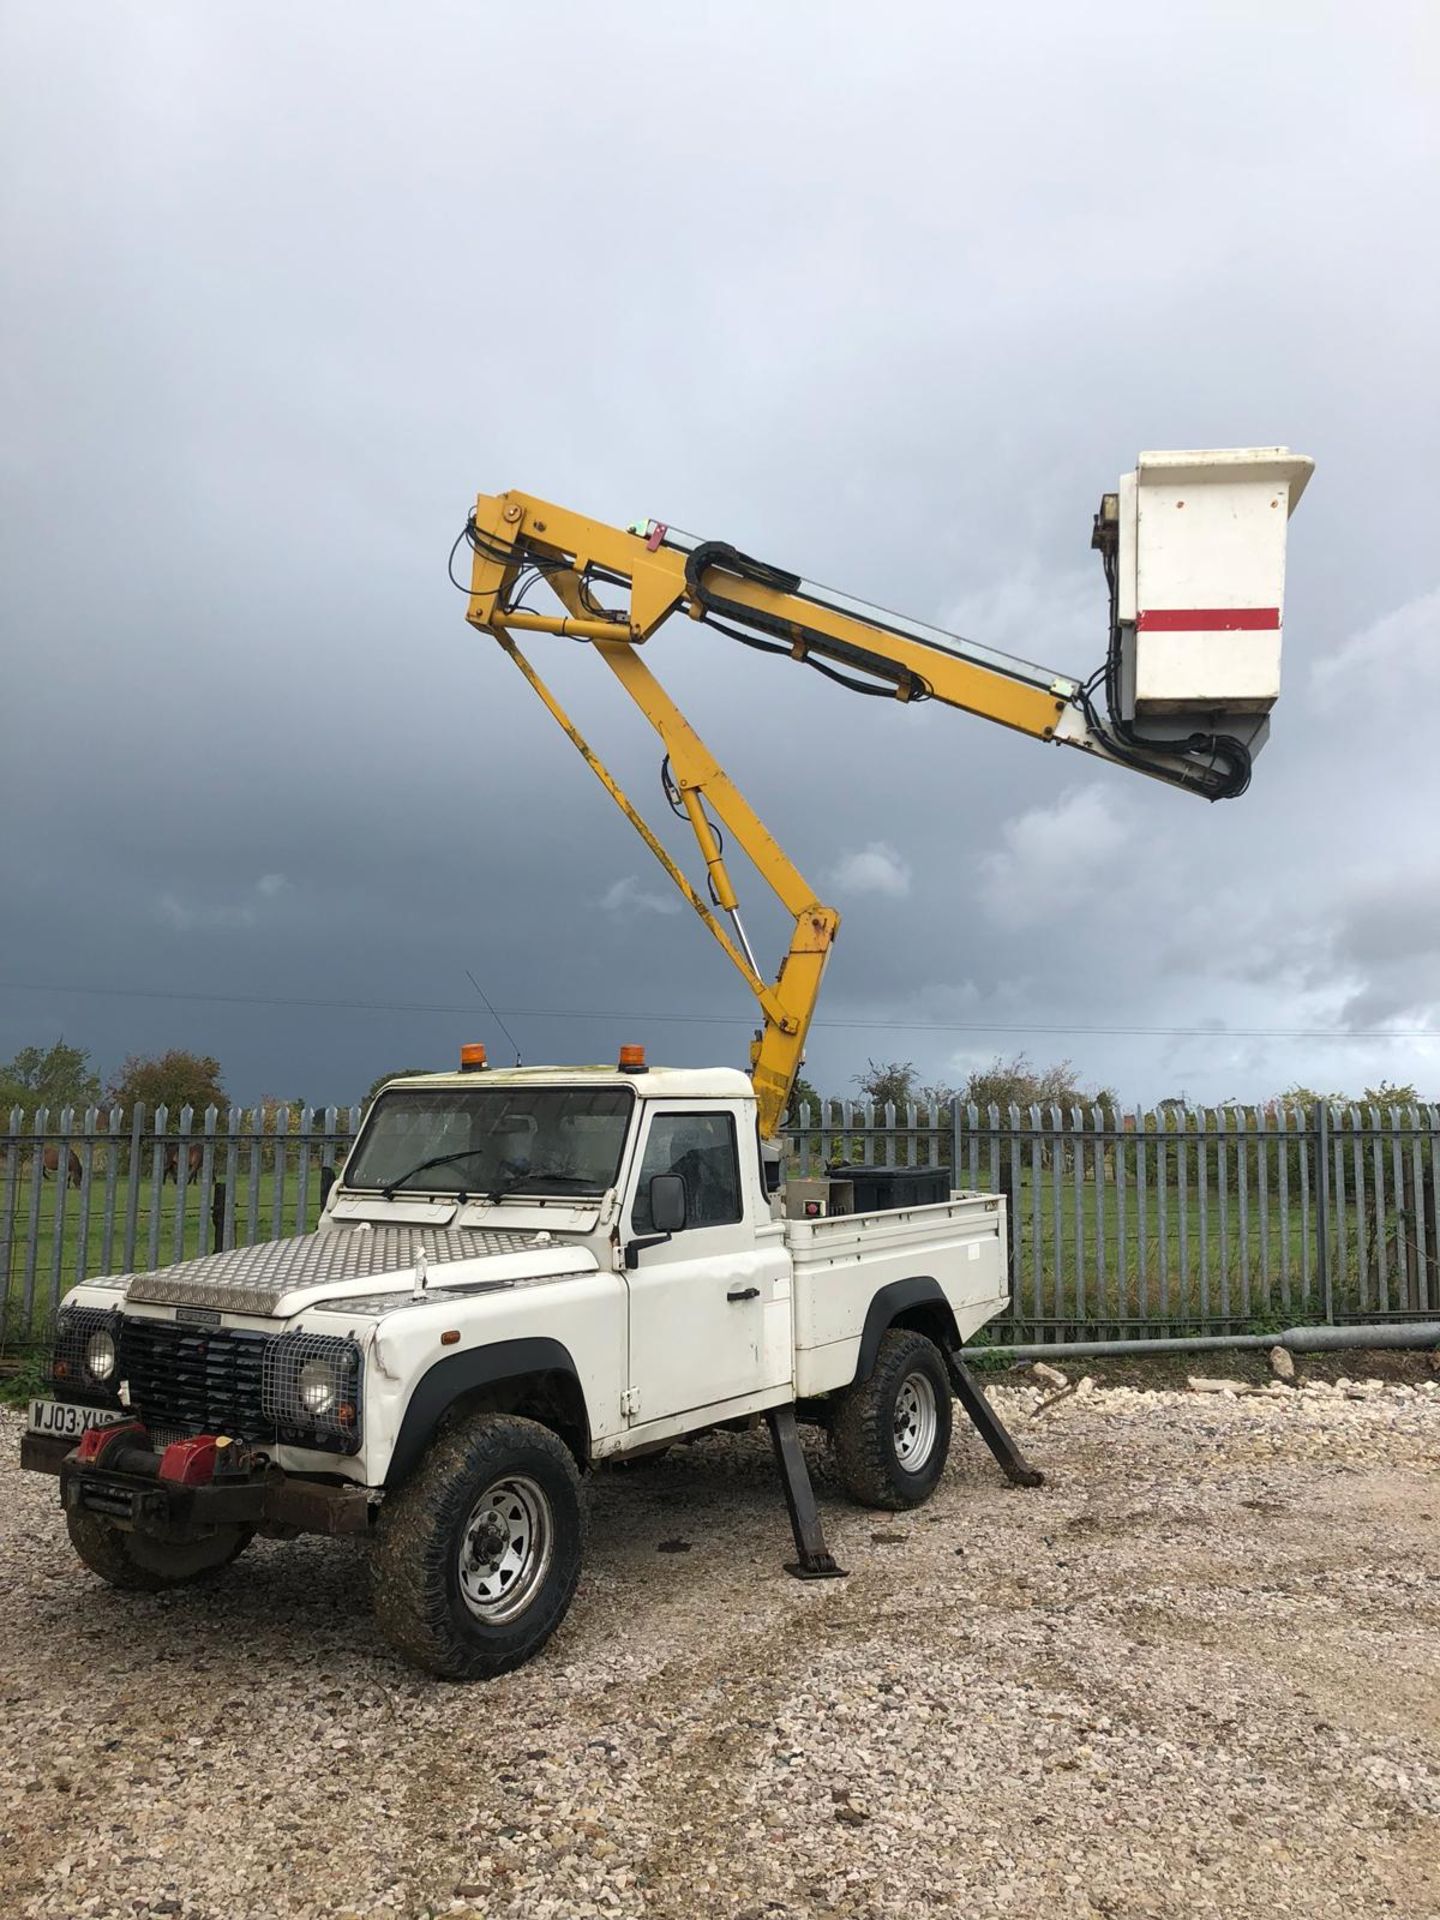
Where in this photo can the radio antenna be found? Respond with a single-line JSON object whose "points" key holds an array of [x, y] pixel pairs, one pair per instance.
{"points": [[493, 1014]]}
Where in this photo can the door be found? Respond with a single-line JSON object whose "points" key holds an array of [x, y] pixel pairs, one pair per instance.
{"points": [[710, 1307]]}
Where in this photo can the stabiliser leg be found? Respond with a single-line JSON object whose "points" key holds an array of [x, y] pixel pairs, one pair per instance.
{"points": [[816, 1562], [990, 1427]]}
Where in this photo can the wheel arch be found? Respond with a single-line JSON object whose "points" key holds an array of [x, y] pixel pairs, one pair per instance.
{"points": [[536, 1378], [919, 1303]]}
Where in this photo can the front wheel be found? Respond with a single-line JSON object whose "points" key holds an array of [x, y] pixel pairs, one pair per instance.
{"points": [[477, 1556], [891, 1432]]}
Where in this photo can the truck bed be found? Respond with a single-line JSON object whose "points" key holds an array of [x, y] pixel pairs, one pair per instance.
{"points": [[841, 1263]]}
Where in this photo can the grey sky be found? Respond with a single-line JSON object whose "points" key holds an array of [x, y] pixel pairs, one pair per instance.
{"points": [[886, 296]]}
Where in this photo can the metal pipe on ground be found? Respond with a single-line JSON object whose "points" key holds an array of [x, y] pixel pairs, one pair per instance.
{"points": [[1416, 1333]]}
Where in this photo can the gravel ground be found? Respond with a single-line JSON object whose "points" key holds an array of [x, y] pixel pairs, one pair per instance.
{"points": [[1197, 1673]]}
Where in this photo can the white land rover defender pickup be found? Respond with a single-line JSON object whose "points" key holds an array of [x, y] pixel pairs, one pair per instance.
{"points": [[519, 1275]]}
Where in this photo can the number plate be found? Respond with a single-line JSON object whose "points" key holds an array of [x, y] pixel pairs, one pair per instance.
{"points": [[66, 1422]]}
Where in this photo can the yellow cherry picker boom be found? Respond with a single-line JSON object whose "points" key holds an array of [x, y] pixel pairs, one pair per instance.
{"points": [[1193, 548], [323, 1383]]}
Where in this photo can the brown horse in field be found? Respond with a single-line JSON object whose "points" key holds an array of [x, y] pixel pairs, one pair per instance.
{"points": [[194, 1160], [50, 1163]]}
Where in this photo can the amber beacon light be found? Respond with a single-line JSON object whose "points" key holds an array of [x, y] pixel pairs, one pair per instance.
{"points": [[472, 1057], [632, 1059]]}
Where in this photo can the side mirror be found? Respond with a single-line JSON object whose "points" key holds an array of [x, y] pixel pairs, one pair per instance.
{"points": [[669, 1203]]}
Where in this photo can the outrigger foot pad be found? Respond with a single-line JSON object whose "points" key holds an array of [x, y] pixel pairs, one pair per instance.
{"points": [[816, 1562], [989, 1426]]}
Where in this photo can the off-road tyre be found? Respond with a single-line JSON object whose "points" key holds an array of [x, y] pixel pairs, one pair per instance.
{"points": [[137, 1563], [437, 1532], [891, 1432]]}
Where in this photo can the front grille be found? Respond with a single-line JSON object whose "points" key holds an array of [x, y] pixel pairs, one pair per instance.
{"points": [[196, 1379]]}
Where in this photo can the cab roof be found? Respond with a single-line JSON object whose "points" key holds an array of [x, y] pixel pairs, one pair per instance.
{"points": [[652, 1083]]}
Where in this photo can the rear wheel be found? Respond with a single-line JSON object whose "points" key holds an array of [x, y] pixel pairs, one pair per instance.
{"points": [[477, 1556], [891, 1432], [139, 1563]]}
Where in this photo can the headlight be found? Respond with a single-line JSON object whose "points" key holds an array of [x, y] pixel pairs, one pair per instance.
{"points": [[316, 1386], [311, 1386], [85, 1360], [100, 1355]]}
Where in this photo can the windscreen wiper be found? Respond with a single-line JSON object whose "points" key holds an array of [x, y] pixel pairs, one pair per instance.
{"points": [[519, 1180], [435, 1160]]}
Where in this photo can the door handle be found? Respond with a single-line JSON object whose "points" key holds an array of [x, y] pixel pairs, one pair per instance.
{"points": [[744, 1293]]}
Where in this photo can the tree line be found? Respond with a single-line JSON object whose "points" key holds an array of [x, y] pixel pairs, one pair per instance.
{"points": [[1017, 1082], [60, 1076]]}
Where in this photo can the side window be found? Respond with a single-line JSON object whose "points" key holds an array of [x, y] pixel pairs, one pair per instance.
{"points": [[701, 1148]]}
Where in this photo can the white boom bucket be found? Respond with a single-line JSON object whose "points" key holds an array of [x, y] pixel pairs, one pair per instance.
{"points": [[1200, 592]]}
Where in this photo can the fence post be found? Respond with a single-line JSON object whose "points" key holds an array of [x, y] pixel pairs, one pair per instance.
{"points": [[11, 1155], [302, 1172], [114, 1120], [183, 1123], [207, 1179], [1006, 1183], [1077, 1196], [1322, 1209], [32, 1247], [157, 1184], [87, 1174], [234, 1119], [63, 1151], [1037, 1229], [1431, 1261], [1142, 1223], [1416, 1239], [1057, 1224]]}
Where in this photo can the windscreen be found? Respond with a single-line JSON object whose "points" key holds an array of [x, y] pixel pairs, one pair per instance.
{"points": [[493, 1140]]}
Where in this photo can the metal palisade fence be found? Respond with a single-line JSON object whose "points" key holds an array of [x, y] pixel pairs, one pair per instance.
{"points": [[1167, 1221], [1179, 1219], [109, 1191]]}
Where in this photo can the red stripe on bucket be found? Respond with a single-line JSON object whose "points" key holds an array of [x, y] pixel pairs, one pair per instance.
{"points": [[1208, 619]]}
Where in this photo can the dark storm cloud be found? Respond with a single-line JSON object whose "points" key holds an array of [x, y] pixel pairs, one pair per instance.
{"points": [[891, 302]]}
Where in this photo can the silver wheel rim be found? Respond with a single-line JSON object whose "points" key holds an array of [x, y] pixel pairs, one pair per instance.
{"points": [[505, 1549], [916, 1421]]}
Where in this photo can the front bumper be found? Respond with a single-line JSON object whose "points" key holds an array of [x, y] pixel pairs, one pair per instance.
{"points": [[134, 1495]]}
